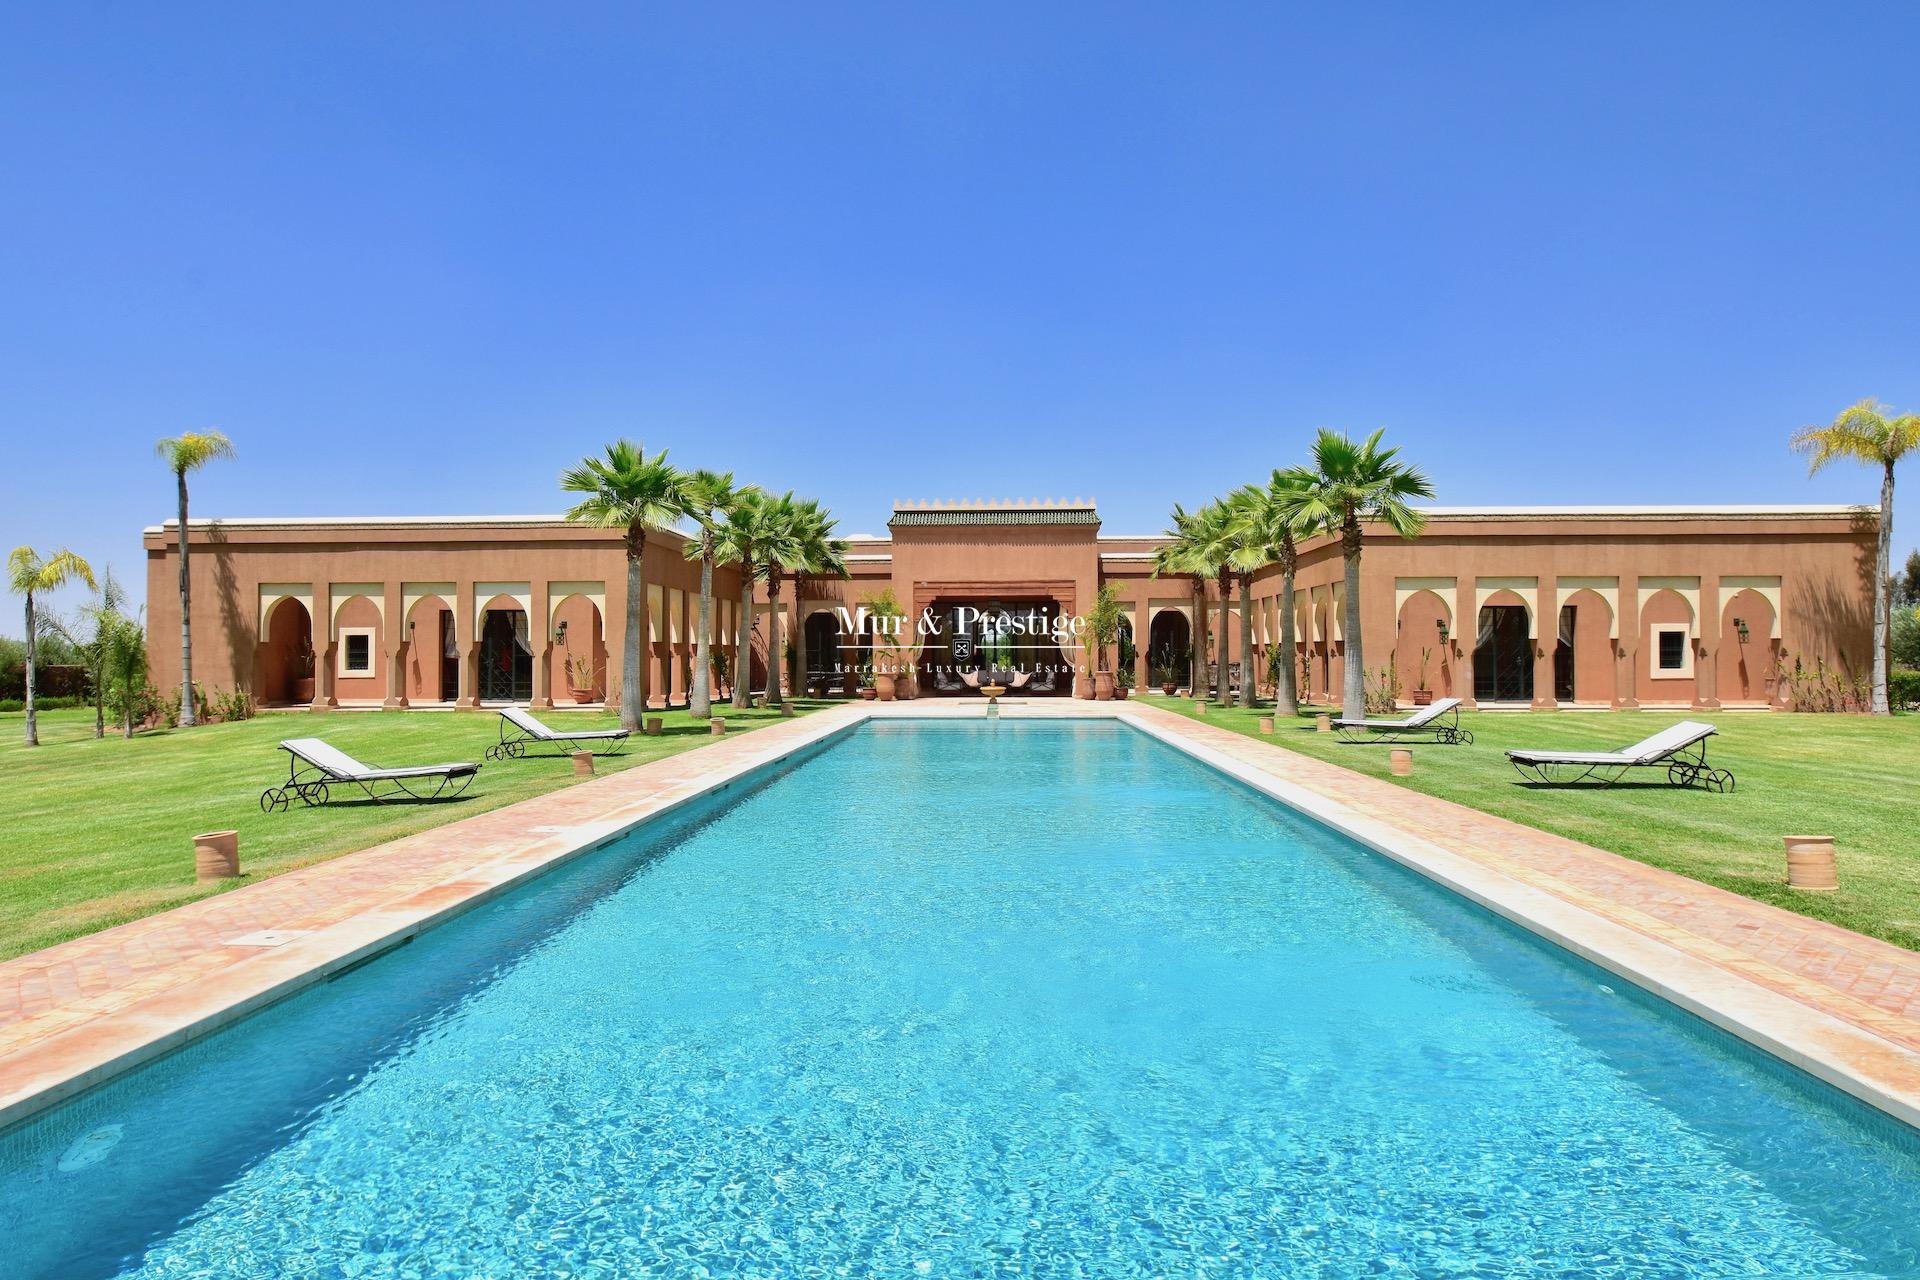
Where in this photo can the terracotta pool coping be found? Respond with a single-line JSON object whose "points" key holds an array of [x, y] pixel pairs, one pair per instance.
{"points": [[1817, 997]]}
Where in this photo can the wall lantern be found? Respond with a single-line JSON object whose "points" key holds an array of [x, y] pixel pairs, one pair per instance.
{"points": [[1443, 630], [560, 633], [1740, 625]]}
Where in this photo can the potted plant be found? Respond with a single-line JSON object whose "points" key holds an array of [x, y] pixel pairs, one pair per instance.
{"points": [[894, 648], [1123, 680], [1103, 626], [1167, 664], [1422, 695], [722, 669], [580, 677], [867, 691], [302, 671]]}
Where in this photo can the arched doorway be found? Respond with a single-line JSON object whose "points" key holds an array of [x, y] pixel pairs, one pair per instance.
{"points": [[826, 664], [1583, 657], [504, 652], [577, 659], [1749, 664], [284, 673], [1503, 651], [430, 662], [1326, 677], [1420, 650], [1169, 648]]}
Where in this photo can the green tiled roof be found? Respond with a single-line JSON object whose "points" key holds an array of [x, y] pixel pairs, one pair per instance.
{"points": [[909, 516]]}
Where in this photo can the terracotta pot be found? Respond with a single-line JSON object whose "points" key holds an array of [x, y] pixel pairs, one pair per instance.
{"points": [[1266, 725], [1120, 692], [1423, 697], [583, 764], [303, 689], [1167, 687], [868, 693], [1810, 864], [216, 855], [580, 696], [885, 686], [1401, 762], [1103, 687], [1323, 722]]}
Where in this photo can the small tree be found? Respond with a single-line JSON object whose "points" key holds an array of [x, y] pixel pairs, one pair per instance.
{"points": [[29, 575], [124, 663], [1103, 625], [100, 617]]}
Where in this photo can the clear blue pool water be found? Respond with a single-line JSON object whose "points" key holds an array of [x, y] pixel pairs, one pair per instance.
{"points": [[968, 1000]]}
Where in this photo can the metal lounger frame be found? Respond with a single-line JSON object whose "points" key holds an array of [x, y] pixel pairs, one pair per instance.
{"points": [[1444, 727], [312, 786], [1685, 767], [513, 746]]}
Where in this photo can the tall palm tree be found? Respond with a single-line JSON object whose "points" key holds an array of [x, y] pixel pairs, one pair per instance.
{"points": [[186, 452], [1201, 545], [1274, 527], [710, 495], [1865, 433], [29, 575], [1353, 484], [1245, 507], [737, 541], [796, 537], [629, 491]]}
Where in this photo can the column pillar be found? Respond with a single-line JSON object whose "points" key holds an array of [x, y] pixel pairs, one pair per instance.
{"points": [[466, 639], [394, 628], [1142, 633], [1546, 641], [613, 637], [1626, 682], [321, 622], [540, 633], [1706, 664], [1466, 628]]}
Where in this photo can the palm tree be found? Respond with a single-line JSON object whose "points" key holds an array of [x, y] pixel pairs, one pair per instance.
{"points": [[1351, 484], [629, 491], [737, 541], [104, 614], [796, 537], [710, 495], [1864, 433], [29, 575], [1201, 546], [1274, 526], [186, 452], [1250, 552]]}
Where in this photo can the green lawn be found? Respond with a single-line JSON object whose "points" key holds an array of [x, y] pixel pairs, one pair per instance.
{"points": [[1851, 777], [99, 832]]}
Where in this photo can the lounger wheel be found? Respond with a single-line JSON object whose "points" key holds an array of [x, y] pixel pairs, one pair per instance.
{"points": [[273, 800], [312, 794]]}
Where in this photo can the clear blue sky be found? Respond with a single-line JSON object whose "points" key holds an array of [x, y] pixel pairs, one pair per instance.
{"points": [[416, 259]]}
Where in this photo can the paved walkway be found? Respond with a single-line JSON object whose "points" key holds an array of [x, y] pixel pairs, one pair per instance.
{"points": [[54, 1003]]}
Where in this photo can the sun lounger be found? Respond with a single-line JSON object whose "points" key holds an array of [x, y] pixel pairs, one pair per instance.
{"points": [[315, 768], [1682, 749], [520, 729], [1440, 721]]}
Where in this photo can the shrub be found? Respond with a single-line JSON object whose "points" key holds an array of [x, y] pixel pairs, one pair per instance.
{"points": [[1903, 689], [1382, 690], [43, 703], [231, 706]]}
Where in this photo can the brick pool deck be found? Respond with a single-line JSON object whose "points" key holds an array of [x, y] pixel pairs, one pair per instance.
{"points": [[80, 1011]]}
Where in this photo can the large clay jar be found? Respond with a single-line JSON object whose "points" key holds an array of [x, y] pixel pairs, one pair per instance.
{"points": [[883, 684]]}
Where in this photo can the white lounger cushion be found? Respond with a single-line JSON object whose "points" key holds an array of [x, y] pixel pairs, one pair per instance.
{"points": [[1424, 715], [524, 720], [1645, 751], [331, 759]]}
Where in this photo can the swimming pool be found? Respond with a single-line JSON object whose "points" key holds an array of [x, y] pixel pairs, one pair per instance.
{"points": [[955, 998]]}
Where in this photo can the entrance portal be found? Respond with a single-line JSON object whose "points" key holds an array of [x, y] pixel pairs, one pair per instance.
{"points": [[506, 657], [1503, 656]]}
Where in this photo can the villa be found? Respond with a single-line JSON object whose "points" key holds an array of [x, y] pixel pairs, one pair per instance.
{"points": [[1542, 607]]}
